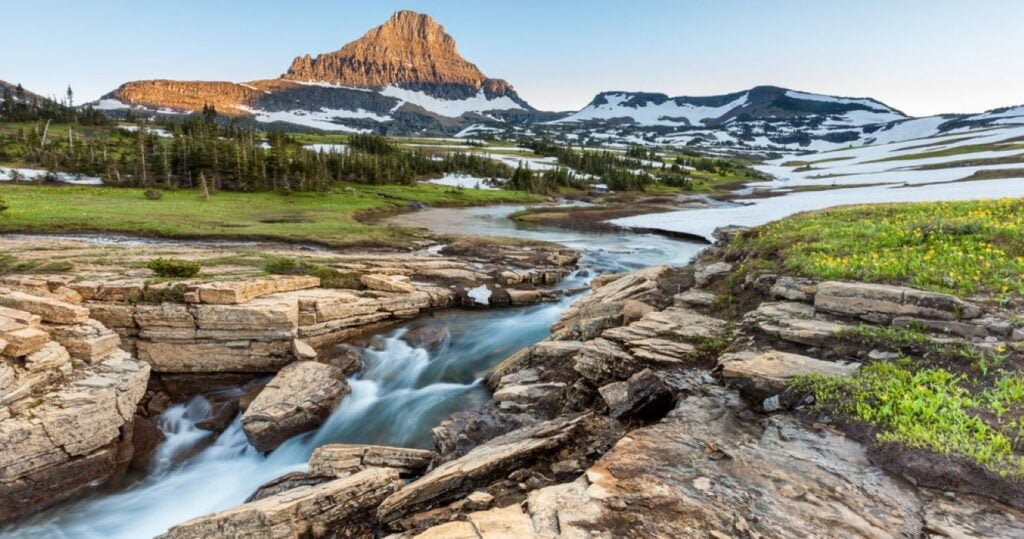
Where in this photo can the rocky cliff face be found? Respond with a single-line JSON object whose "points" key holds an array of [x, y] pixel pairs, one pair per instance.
{"points": [[410, 50]]}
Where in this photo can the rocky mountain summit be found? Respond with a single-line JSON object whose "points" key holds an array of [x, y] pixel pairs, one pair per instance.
{"points": [[411, 50], [403, 76]]}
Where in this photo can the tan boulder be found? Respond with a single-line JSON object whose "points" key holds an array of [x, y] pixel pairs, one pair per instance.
{"points": [[22, 340], [88, 342], [298, 399], [21, 317], [303, 351]]}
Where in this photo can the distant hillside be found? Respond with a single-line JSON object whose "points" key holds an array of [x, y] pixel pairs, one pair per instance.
{"points": [[19, 93]]}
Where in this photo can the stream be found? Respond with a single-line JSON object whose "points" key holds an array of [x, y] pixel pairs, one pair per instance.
{"points": [[402, 393]]}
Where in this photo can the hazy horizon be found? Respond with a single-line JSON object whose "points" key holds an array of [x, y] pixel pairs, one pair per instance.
{"points": [[922, 57]]}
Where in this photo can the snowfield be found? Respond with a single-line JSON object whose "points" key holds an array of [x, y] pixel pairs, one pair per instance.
{"points": [[766, 210], [869, 181], [326, 119], [870, 103], [452, 108], [651, 113]]}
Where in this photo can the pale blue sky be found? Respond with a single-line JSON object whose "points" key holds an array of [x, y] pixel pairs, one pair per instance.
{"points": [[921, 56]]}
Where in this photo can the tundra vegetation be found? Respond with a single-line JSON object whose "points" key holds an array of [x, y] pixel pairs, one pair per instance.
{"points": [[934, 392]]}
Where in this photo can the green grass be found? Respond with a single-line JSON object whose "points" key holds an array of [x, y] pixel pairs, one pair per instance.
{"points": [[960, 353], [326, 218], [930, 408], [955, 247]]}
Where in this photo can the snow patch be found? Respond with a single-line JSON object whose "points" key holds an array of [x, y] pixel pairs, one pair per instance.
{"points": [[841, 100], [651, 113], [481, 295], [452, 108], [31, 174], [326, 119], [461, 180]]}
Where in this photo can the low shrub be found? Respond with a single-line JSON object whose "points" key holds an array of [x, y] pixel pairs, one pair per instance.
{"points": [[282, 265], [153, 194], [329, 277], [166, 267]]}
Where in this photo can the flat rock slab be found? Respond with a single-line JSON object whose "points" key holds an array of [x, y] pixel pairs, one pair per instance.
{"points": [[299, 512], [341, 460], [879, 302], [236, 292], [704, 471], [794, 322], [298, 399]]}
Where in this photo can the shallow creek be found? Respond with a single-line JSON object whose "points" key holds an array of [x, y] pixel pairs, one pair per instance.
{"points": [[398, 398]]}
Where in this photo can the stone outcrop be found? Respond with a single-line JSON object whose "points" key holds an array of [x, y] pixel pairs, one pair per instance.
{"points": [[297, 400], [65, 428], [743, 477], [299, 512]]}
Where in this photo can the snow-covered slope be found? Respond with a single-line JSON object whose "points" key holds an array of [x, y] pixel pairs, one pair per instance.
{"points": [[763, 120]]}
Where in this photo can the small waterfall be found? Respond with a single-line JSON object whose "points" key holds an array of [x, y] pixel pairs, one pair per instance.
{"points": [[402, 393]]}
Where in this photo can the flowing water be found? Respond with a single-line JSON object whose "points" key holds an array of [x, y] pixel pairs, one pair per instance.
{"points": [[402, 393]]}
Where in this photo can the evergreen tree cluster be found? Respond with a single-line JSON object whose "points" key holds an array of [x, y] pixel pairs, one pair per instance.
{"points": [[544, 182], [197, 152], [620, 173], [19, 105]]}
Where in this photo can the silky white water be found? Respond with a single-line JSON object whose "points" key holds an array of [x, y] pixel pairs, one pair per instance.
{"points": [[402, 393]]}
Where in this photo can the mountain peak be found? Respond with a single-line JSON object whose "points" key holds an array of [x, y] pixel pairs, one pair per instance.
{"points": [[411, 50]]}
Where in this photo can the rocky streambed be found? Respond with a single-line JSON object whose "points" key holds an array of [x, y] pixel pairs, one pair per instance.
{"points": [[229, 337], [657, 403]]}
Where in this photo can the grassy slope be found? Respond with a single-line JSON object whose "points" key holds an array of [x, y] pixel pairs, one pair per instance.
{"points": [[327, 218], [950, 397], [956, 247]]}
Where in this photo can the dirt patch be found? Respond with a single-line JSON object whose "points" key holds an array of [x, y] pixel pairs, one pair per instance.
{"points": [[281, 218], [946, 472]]}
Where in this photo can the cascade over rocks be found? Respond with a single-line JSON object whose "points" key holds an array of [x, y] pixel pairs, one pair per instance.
{"points": [[78, 406]]}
